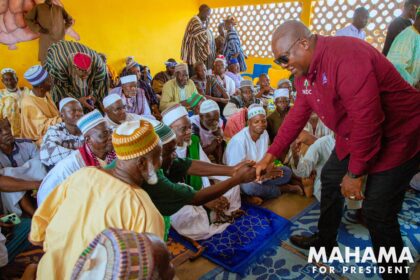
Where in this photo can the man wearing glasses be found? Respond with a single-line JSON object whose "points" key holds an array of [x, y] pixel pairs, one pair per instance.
{"points": [[116, 113], [375, 115]]}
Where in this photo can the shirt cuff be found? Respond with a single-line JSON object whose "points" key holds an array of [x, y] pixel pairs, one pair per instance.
{"points": [[357, 167], [275, 150]]}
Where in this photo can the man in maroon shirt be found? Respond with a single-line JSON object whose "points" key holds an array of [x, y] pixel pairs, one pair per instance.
{"points": [[375, 114]]}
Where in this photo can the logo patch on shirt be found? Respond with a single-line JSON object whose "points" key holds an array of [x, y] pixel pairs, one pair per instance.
{"points": [[324, 79], [307, 90]]}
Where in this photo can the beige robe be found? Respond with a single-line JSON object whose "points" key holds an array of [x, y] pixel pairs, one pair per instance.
{"points": [[171, 93], [10, 105], [82, 206], [38, 113], [51, 17]]}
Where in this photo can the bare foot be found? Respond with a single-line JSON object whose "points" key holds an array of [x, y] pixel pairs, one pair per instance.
{"points": [[292, 189], [255, 200]]}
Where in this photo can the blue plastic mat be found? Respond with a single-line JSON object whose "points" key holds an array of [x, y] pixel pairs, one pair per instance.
{"points": [[250, 236]]}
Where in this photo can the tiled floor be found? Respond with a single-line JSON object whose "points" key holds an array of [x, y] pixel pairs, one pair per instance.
{"points": [[287, 205]]}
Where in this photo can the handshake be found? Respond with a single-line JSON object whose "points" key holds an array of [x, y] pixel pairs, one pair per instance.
{"points": [[246, 172]]}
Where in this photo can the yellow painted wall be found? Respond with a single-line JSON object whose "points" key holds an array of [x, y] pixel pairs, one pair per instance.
{"points": [[149, 30]]}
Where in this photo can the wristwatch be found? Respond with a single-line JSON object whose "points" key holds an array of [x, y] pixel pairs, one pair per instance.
{"points": [[353, 176]]}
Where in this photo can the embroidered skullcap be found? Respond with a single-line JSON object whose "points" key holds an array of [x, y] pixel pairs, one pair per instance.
{"points": [[195, 99], [209, 106], [7, 70], [132, 64], [117, 254], [255, 110], [181, 67], [82, 61], [170, 115], [128, 79], [246, 83], [65, 101], [35, 75], [171, 62], [281, 92], [233, 61], [89, 121], [220, 58], [134, 139], [111, 99], [282, 81], [165, 133]]}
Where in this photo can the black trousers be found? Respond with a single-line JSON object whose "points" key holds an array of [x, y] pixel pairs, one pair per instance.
{"points": [[384, 196]]}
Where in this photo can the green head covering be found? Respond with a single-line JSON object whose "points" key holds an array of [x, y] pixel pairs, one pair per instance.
{"points": [[165, 133], [194, 100]]}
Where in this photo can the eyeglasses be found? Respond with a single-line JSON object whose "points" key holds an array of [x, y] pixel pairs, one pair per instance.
{"points": [[284, 58], [182, 129]]}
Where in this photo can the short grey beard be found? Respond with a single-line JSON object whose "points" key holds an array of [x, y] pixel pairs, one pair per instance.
{"points": [[209, 128], [151, 177], [185, 144]]}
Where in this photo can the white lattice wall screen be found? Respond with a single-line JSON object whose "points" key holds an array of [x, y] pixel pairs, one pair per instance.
{"points": [[331, 15], [257, 22]]}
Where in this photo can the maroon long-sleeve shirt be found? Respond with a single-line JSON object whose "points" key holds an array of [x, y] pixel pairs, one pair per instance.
{"points": [[358, 94]]}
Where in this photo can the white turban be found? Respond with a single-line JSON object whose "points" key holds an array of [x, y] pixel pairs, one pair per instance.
{"points": [[254, 110], [111, 99], [282, 81], [128, 79], [281, 92], [64, 101], [170, 115], [181, 67], [209, 106], [7, 70]]}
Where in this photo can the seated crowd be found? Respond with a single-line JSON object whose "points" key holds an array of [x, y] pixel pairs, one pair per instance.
{"points": [[188, 142], [92, 165]]}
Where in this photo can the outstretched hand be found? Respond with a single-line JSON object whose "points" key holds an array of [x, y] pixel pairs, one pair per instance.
{"points": [[240, 165], [262, 166], [246, 173], [272, 173]]}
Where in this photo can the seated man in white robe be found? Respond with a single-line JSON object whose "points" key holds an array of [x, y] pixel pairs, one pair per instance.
{"points": [[96, 151], [62, 138], [116, 113], [208, 126], [14, 153], [251, 143], [193, 221], [311, 164]]}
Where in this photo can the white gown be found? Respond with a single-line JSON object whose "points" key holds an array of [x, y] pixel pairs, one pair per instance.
{"points": [[193, 221], [32, 170]]}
